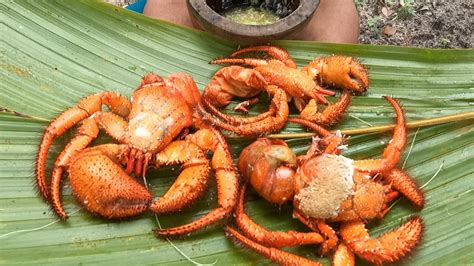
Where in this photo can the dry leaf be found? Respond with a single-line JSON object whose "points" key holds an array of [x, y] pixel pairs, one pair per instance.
{"points": [[389, 30]]}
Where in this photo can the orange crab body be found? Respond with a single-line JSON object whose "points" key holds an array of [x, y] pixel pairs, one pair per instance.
{"points": [[151, 130], [303, 86], [326, 186], [157, 117], [296, 83]]}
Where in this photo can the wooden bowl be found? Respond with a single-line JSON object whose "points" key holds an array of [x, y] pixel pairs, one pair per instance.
{"points": [[204, 14]]}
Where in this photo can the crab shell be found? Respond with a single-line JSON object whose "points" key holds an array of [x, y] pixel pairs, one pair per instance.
{"points": [[262, 164], [329, 187]]}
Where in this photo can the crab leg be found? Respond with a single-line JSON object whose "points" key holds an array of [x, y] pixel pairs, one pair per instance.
{"points": [[332, 142], [242, 107], [239, 61], [273, 51], [405, 185], [271, 123], [114, 125], [386, 248], [103, 187], [271, 238], [279, 256], [86, 133], [318, 225], [226, 177], [192, 180], [331, 114], [236, 120], [343, 256], [391, 154], [86, 107]]}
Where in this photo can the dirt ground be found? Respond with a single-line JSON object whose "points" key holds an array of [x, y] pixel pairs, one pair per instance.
{"points": [[428, 23], [417, 23]]}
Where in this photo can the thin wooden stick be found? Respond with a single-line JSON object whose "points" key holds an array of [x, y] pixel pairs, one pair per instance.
{"points": [[378, 129], [7, 111]]}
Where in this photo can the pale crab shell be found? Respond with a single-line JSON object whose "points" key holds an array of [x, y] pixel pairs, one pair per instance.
{"points": [[331, 183]]}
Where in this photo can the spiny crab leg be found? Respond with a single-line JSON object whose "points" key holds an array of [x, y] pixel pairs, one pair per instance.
{"points": [[86, 133], [86, 107], [391, 154], [236, 120], [271, 123], [279, 256], [320, 226], [271, 238], [331, 114], [190, 183], [227, 181], [331, 142], [273, 51], [239, 61], [343, 256], [405, 184]]}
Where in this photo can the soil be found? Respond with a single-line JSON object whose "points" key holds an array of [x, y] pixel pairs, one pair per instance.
{"points": [[417, 23], [429, 24]]}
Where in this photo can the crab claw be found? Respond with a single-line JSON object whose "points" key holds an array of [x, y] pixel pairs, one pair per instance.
{"points": [[150, 78], [389, 247], [340, 71]]}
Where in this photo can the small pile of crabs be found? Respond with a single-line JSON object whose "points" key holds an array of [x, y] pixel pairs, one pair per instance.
{"points": [[168, 122]]}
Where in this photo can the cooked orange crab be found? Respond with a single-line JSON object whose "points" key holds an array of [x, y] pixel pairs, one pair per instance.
{"points": [[327, 187], [278, 74], [151, 130]]}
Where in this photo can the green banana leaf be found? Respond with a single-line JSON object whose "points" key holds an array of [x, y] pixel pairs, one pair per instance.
{"points": [[52, 53]]}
